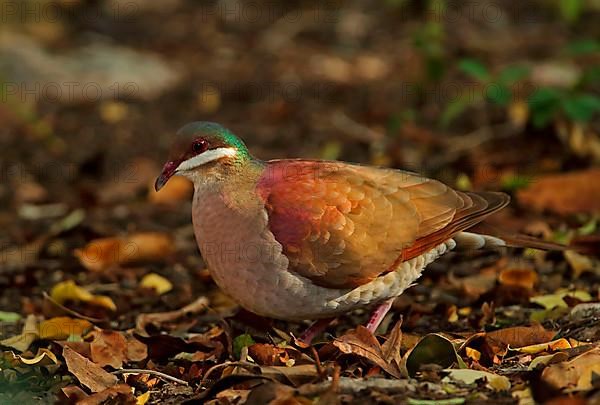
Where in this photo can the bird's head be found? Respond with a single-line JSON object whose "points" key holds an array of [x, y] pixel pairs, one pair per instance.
{"points": [[203, 150]]}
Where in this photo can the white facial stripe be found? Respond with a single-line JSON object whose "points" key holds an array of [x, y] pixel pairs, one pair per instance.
{"points": [[203, 158]]}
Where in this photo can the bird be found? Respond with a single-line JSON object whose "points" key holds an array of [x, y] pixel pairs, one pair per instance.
{"points": [[307, 239]]}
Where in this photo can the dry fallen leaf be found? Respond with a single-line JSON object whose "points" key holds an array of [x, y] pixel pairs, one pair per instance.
{"points": [[519, 336], [43, 357], [60, 328], [108, 348], [575, 373], [580, 263], [100, 254], [524, 278], [29, 335], [559, 344], [87, 372], [69, 291], [119, 394], [160, 284], [112, 348], [564, 194], [362, 343], [497, 382]]}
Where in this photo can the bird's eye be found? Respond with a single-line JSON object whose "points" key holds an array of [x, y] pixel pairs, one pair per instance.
{"points": [[199, 146]]}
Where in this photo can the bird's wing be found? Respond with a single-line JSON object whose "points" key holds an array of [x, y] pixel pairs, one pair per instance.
{"points": [[342, 225]]}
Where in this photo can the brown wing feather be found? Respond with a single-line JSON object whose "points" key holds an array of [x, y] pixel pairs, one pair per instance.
{"points": [[477, 207], [342, 225]]}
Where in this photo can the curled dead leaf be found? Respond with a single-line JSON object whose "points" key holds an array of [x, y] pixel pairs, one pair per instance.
{"points": [[157, 282], [100, 254], [69, 291]]}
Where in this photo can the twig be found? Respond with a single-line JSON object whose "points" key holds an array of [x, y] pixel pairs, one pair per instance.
{"points": [[70, 311], [152, 372]]}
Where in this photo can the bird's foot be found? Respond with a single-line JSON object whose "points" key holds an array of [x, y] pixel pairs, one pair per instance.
{"points": [[314, 330], [378, 315]]}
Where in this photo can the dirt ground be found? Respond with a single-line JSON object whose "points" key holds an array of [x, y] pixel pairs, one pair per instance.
{"points": [[104, 295]]}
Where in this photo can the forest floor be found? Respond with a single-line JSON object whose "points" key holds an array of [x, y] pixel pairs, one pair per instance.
{"points": [[104, 296]]}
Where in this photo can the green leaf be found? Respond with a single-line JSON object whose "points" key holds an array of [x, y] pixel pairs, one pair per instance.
{"points": [[499, 94], [589, 227], [451, 112], [570, 9], [240, 342], [9, 316], [513, 74], [432, 349], [590, 76], [583, 47], [544, 104], [515, 182], [475, 69], [582, 107]]}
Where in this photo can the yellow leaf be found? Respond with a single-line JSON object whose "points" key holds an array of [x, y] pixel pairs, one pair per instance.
{"points": [[473, 354], [62, 327], [68, 290], [559, 344], [497, 382], [43, 357], [142, 399], [159, 283], [556, 300], [103, 301]]}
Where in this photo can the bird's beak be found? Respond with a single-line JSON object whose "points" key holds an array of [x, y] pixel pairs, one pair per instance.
{"points": [[167, 172]]}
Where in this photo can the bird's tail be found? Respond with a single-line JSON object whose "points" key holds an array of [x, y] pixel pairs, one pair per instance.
{"points": [[471, 240]]}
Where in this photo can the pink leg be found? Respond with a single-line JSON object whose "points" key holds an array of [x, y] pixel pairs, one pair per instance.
{"points": [[378, 314], [315, 329]]}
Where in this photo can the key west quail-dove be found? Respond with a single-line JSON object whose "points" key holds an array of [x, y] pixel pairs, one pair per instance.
{"points": [[297, 239]]}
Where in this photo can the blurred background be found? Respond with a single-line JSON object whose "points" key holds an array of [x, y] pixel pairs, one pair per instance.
{"points": [[487, 94]]}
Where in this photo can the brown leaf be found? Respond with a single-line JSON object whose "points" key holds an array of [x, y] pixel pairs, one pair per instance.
{"points": [[100, 254], [391, 347], [524, 278], [111, 348], [87, 372], [362, 343], [519, 336], [108, 348], [577, 372], [135, 350], [120, 393], [564, 194]]}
